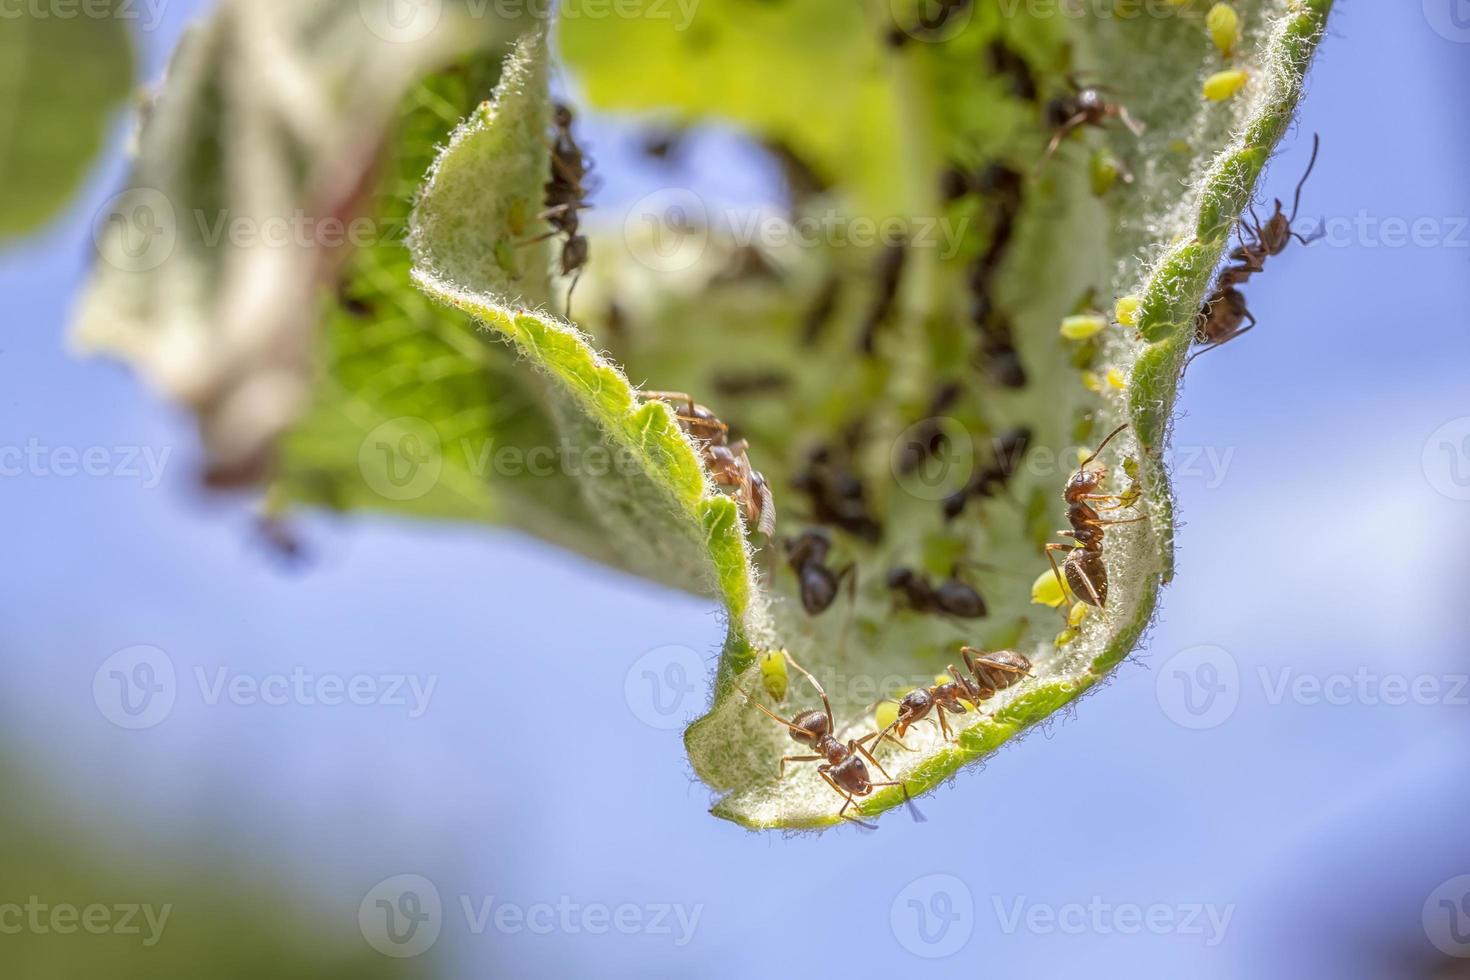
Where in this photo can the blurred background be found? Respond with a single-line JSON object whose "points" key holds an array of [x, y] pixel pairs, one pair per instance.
{"points": [[1268, 787]]}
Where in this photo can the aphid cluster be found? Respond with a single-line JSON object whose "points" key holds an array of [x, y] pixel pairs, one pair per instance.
{"points": [[1224, 315], [728, 462]]}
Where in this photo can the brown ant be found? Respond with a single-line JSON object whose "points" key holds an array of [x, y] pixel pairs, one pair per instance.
{"points": [[807, 556], [952, 597], [990, 673], [842, 765], [566, 195], [1085, 105], [727, 462], [1223, 312], [1087, 576]]}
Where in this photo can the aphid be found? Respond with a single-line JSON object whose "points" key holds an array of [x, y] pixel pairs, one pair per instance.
{"points": [[1224, 315], [887, 274], [566, 195], [1003, 187], [807, 556], [837, 495], [841, 764], [727, 462], [1086, 575], [1085, 105], [774, 677], [989, 674], [952, 597], [927, 435], [1225, 85], [1007, 62]]}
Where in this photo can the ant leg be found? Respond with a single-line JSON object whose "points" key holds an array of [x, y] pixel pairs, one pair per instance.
{"points": [[1091, 589], [1066, 590], [944, 730], [858, 744], [1063, 131], [575, 279], [796, 758], [1134, 126]]}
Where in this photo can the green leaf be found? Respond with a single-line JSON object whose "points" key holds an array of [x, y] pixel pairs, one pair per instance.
{"points": [[60, 80]]}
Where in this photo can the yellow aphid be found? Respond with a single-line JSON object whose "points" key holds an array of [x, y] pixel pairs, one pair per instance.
{"points": [[1104, 171], [1225, 84], [1047, 591], [1223, 23], [1126, 310], [1082, 325], [1092, 382], [1066, 636], [1077, 614], [1116, 379], [1180, 146], [885, 714], [773, 673]]}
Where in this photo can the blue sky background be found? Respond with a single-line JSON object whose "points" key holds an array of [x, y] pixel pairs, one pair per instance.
{"points": [[1333, 544]]}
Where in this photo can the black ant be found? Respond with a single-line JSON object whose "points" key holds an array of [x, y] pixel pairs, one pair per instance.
{"points": [[1006, 61], [837, 495], [1010, 447], [927, 436], [1004, 187], [1085, 105], [888, 272], [1223, 312], [566, 195], [951, 597], [989, 674], [1087, 576], [728, 462], [807, 556], [842, 765]]}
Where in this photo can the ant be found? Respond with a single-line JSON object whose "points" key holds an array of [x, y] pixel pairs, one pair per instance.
{"points": [[566, 194], [807, 556], [927, 435], [837, 495], [1009, 448], [888, 272], [1087, 576], [990, 673], [842, 765], [728, 462], [1224, 310], [951, 597], [1086, 105]]}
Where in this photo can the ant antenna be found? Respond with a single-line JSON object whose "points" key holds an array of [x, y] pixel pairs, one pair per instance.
{"points": [[808, 675], [1297, 200], [1096, 452], [790, 726]]}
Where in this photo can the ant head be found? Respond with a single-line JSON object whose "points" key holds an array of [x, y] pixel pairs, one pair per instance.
{"points": [[810, 727], [562, 114], [1084, 481], [914, 705]]}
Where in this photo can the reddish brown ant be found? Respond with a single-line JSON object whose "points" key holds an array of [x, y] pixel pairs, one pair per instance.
{"points": [[952, 597], [842, 765], [728, 462], [1087, 576], [807, 556], [1223, 312], [989, 674], [566, 195], [1085, 105]]}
